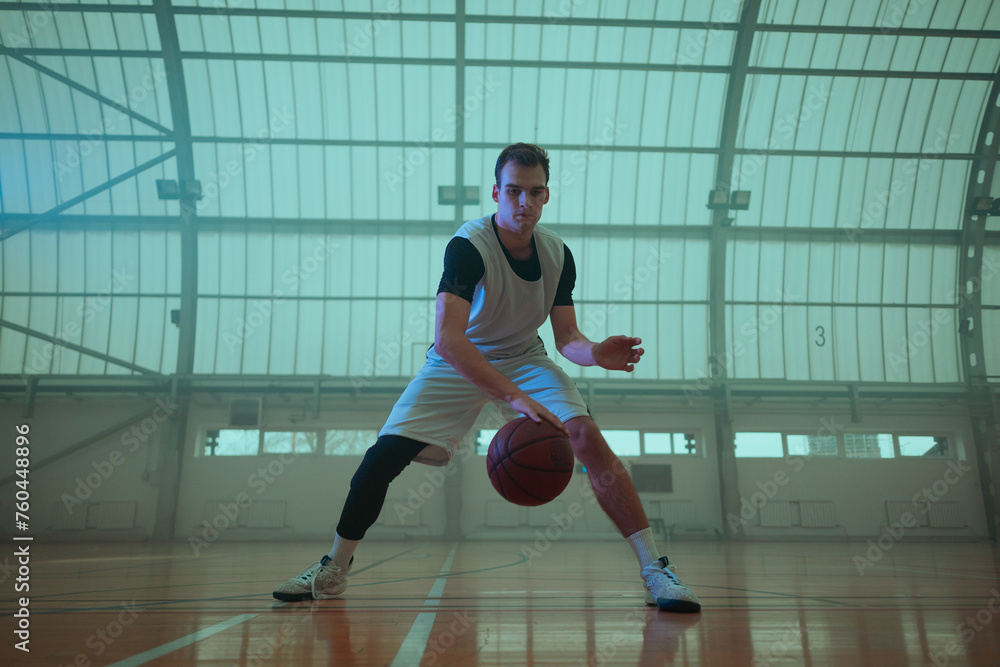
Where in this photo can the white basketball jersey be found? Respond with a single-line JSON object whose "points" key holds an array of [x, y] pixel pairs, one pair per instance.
{"points": [[506, 309]]}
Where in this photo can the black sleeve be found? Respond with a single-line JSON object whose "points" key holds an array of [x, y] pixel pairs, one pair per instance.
{"points": [[463, 269], [564, 292]]}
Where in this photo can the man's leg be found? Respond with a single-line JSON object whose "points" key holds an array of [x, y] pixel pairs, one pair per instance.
{"points": [[612, 485], [382, 463], [618, 498]]}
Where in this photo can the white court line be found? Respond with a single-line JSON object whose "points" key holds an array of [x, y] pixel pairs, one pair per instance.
{"points": [[413, 647], [160, 651]]}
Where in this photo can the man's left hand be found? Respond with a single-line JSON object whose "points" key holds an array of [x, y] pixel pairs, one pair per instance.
{"points": [[618, 353]]}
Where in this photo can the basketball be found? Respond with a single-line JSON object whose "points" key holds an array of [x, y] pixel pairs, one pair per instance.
{"points": [[529, 464]]}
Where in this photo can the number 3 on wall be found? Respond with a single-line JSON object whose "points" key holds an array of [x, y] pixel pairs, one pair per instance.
{"points": [[820, 337]]}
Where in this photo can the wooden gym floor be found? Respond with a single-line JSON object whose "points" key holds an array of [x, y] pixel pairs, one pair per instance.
{"points": [[485, 603]]}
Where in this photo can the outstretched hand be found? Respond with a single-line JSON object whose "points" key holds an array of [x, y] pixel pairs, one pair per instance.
{"points": [[618, 353]]}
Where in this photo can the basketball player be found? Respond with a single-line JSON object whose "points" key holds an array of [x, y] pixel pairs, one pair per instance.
{"points": [[503, 277]]}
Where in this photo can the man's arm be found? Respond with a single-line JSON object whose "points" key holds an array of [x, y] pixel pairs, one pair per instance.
{"points": [[450, 341], [616, 353]]}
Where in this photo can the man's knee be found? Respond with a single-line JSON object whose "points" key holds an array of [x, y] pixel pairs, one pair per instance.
{"points": [[585, 436], [385, 460]]}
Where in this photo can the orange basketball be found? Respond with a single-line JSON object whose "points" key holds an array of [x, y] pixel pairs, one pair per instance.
{"points": [[529, 464]]}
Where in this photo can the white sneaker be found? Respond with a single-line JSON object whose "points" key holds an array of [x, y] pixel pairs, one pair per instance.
{"points": [[666, 591], [319, 581]]}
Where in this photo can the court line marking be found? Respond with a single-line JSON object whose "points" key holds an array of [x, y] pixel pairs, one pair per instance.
{"points": [[411, 651], [169, 647]]}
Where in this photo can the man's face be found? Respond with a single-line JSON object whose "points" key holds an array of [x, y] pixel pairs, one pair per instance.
{"points": [[520, 196]]}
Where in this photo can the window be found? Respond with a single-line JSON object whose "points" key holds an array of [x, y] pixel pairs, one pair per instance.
{"points": [[232, 442], [759, 445], [868, 446], [812, 445], [258, 442], [927, 446], [623, 443], [669, 443], [483, 441], [349, 443], [294, 442]]}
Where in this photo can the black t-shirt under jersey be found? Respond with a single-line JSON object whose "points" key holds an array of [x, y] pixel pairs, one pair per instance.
{"points": [[464, 268]]}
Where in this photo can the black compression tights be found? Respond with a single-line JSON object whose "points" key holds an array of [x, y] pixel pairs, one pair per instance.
{"points": [[383, 462]]}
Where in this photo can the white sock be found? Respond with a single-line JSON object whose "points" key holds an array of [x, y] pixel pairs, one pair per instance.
{"points": [[342, 551], [644, 546]]}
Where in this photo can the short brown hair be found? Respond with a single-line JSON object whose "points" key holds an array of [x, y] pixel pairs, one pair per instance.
{"points": [[526, 155]]}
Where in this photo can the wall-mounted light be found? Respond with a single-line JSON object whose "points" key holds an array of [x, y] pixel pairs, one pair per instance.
{"points": [[981, 206], [739, 200], [718, 199], [168, 189], [448, 195]]}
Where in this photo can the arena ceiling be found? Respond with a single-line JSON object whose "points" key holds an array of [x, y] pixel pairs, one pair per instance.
{"points": [[338, 145]]}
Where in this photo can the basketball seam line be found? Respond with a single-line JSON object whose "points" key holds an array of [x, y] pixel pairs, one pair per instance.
{"points": [[514, 481]]}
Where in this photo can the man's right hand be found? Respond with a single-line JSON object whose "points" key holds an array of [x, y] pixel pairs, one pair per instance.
{"points": [[531, 408]]}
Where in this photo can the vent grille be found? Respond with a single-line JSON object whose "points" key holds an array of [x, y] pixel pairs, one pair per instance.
{"points": [[776, 514], [817, 514], [946, 515]]}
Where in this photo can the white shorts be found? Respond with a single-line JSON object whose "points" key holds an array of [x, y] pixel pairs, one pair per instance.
{"points": [[439, 406]]}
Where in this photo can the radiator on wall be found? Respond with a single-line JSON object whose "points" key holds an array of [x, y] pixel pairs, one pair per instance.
{"points": [[118, 515], [944, 514], [776, 514], [817, 514]]}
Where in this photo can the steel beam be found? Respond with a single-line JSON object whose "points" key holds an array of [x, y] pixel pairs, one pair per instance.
{"points": [[173, 450], [970, 302], [5, 324], [53, 212], [15, 54], [716, 365]]}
